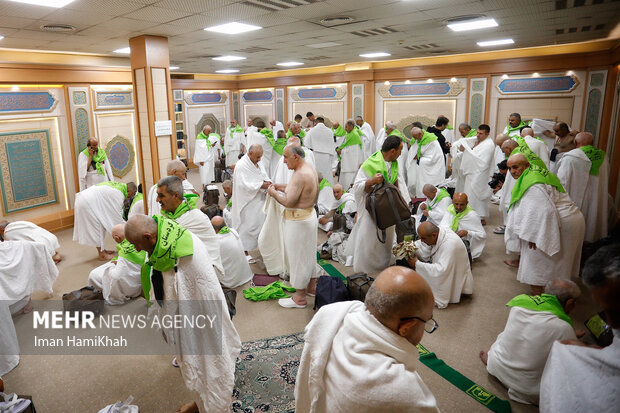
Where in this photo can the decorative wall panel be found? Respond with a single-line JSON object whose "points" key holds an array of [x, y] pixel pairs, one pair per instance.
{"points": [[422, 89], [548, 84], [117, 99], [260, 96], [235, 98], [205, 98], [79, 97], [26, 170], [121, 155], [358, 100], [326, 93], [594, 103], [20, 102], [477, 101], [82, 129], [280, 105]]}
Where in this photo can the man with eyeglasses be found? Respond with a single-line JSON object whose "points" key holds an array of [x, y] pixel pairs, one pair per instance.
{"points": [[361, 357]]}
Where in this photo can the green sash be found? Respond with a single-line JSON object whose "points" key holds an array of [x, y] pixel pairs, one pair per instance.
{"points": [[99, 158], [232, 130], [516, 128], [202, 135], [340, 131], [329, 268], [324, 183], [302, 134], [533, 175], [279, 145], [426, 139], [352, 138], [224, 230], [441, 195], [376, 164], [128, 251], [229, 205], [267, 133], [596, 156], [398, 133], [139, 197], [543, 302], [268, 292], [116, 185], [457, 217], [471, 133], [532, 158], [187, 204]]}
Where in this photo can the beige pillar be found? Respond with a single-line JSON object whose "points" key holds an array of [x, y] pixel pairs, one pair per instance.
{"points": [[151, 82]]}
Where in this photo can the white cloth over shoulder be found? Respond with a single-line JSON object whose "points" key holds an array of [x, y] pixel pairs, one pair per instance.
{"points": [[476, 235], [248, 201], [582, 379], [27, 231], [97, 210], [351, 157], [431, 168], [596, 210], [270, 239], [557, 233], [517, 358], [91, 177], [539, 148], [118, 282], [153, 205], [254, 137], [200, 225], [574, 174], [437, 211], [321, 140], [353, 363], [236, 268], [325, 200], [477, 168], [447, 269]]}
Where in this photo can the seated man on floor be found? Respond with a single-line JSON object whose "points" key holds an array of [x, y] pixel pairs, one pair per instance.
{"points": [[434, 208], [119, 279], [361, 357], [27, 231], [227, 187], [518, 356], [443, 262], [344, 204], [578, 378], [466, 223], [236, 268], [326, 195]]}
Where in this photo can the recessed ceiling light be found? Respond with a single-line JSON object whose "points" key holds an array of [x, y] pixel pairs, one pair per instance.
{"points": [[504, 76], [535, 74], [495, 42], [323, 45], [173, 67], [229, 58], [376, 54], [46, 3], [472, 25], [124, 50], [1, 37], [289, 64], [570, 73], [232, 28], [227, 71]]}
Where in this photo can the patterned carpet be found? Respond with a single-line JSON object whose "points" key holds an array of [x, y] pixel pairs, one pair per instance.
{"points": [[265, 375]]}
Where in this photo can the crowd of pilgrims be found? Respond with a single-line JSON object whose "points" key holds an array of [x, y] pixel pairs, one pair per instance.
{"points": [[549, 182]]}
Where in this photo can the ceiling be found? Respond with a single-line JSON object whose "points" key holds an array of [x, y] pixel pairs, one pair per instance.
{"points": [[406, 28]]}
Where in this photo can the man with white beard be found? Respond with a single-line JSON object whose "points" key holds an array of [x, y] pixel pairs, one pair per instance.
{"points": [[584, 172], [536, 145], [344, 204], [260, 135], [546, 223], [233, 142], [351, 155], [249, 197], [434, 208], [368, 137], [206, 153], [426, 163], [321, 140], [476, 167]]}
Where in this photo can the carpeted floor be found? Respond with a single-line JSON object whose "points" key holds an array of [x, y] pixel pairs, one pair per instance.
{"points": [[62, 384]]}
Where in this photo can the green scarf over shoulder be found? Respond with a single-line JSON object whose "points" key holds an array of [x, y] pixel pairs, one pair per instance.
{"points": [[127, 250], [596, 156], [532, 158], [457, 216], [232, 130], [339, 131], [202, 135], [426, 139], [352, 138], [398, 133], [543, 302], [516, 128], [533, 175], [324, 183], [302, 134], [98, 158], [441, 195], [376, 164], [189, 203], [471, 133], [116, 185]]}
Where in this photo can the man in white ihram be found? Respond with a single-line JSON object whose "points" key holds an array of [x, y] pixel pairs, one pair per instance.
{"points": [[536, 145], [463, 220], [93, 165], [27, 231], [368, 138], [233, 142], [321, 140], [425, 162], [361, 357], [434, 208], [236, 268], [206, 153], [282, 173], [176, 168]]}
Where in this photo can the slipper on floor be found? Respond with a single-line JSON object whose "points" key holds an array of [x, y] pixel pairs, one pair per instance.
{"points": [[10, 403], [289, 303], [175, 363], [250, 259], [499, 230]]}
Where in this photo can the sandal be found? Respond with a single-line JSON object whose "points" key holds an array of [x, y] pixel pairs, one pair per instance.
{"points": [[12, 404]]}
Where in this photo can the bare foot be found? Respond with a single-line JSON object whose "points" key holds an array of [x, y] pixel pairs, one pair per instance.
{"points": [[57, 258], [300, 298], [483, 221], [484, 356], [188, 408], [512, 263]]}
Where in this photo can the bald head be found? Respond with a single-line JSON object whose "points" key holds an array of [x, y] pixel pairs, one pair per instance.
{"points": [[338, 191], [500, 139], [584, 139], [118, 233], [429, 191], [428, 233], [527, 132], [460, 201], [398, 293], [517, 163], [508, 146], [176, 167], [218, 223], [141, 231], [255, 153]]}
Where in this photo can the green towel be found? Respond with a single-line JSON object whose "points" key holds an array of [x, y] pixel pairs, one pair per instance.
{"points": [[268, 292]]}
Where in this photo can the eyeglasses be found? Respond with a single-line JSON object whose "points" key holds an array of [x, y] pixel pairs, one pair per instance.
{"points": [[429, 325]]}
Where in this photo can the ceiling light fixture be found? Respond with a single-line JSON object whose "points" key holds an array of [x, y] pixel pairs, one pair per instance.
{"points": [[124, 50], [323, 45], [504, 76], [228, 58], [495, 42], [472, 25], [407, 82], [535, 74], [1, 37], [173, 67], [15, 88], [570, 73], [452, 79], [386, 83], [375, 54], [429, 80], [47, 3], [289, 64], [232, 28], [227, 71]]}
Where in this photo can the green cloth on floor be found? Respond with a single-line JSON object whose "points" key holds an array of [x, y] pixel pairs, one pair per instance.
{"points": [[268, 292], [473, 390], [330, 269]]}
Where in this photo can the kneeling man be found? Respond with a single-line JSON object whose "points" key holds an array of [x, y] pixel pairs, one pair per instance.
{"points": [[27, 231], [236, 268], [463, 220], [344, 204], [434, 208], [443, 262]]}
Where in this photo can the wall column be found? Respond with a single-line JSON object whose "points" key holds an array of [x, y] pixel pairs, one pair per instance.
{"points": [[151, 81]]}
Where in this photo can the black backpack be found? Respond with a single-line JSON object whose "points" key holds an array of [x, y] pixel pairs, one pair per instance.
{"points": [[330, 290]]}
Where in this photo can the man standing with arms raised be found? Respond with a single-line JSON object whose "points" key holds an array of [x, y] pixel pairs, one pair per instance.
{"points": [[300, 225]]}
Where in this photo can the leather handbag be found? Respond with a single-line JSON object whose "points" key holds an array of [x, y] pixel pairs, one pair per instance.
{"points": [[387, 207], [358, 285]]}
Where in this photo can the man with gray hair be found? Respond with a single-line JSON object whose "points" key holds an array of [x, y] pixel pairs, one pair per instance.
{"points": [[361, 357], [368, 136], [518, 356], [177, 168], [93, 165], [578, 378], [351, 154], [283, 174]]}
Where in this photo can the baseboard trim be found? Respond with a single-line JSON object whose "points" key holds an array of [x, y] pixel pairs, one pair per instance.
{"points": [[55, 222]]}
